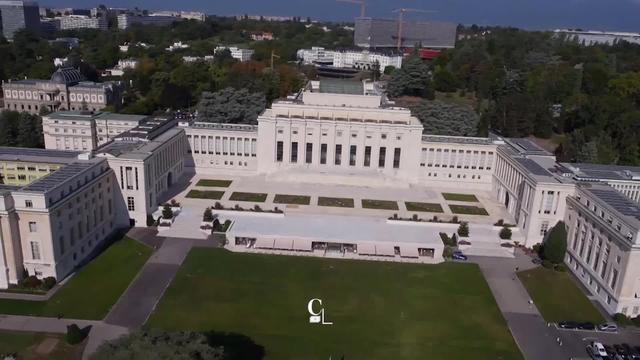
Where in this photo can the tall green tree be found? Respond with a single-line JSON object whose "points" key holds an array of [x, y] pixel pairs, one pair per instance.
{"points": [[555, 245]]}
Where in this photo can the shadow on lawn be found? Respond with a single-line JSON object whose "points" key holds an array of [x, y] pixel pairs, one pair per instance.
{"points": [[236, 346]]}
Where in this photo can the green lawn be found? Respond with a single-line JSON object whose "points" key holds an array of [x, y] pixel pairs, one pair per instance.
{"points": [[335, 202], [214, 183], [292, 199], [379, 310], [24, 344], [205, 194], [17, 341], [423, 207], [557, 296], [250, 197], [91, 292], [379, 204], [468, 210], [460, 197]]}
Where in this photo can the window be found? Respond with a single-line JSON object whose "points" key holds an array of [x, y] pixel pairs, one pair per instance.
{"points": [[308, 155], [367, 156], [323, 154], [382, 156], [544, 227], [131, 205], [28, 203], [396, 158], [32, 226], [352, 155], [129, 177], [383, 136], [294, 152], [338, 155], [279, 151], [35, 250], [614, 278]]}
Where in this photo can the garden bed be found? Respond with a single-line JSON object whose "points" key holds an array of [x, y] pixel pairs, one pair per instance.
{"points": [[335, 202], [214, 183], [292, 199], [460, 197], [379, 204], [205, 194], [423, 207], [468, 210], [249, 197]]}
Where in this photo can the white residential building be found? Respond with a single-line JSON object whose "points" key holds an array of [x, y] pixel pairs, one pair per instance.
{"points": [[70, 22], [237, 53], [359, 59], [177, 46], [598, 37], [188, 15]]}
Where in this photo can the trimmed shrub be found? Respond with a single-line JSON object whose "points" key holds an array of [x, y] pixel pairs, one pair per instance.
{"points": [[257, 208], [31, 282], [414, 217], [48, 283], [621, 319], [555, 246], [216, 225], [507, 245], [454, 220], [537, 248], [463, 229], [505, 233], [208, 215], [435, 219], [174, 203], [167, 213], [499, 223], [218, 206], [75, 335]]}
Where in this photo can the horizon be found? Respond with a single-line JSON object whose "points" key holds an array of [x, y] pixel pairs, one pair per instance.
{"points": [[619, 15]]}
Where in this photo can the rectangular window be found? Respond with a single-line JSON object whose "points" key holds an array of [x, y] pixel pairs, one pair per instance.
{"points": [[35, 250], [614, 278], [367, 156], [131, 203], [308, 156], [279, 151], [32, 226], [338, 155], [129, 177], [352, 155], [294, 152], [382, 157], [544, 227], [28, 203], [396, 158], [323, 154]]}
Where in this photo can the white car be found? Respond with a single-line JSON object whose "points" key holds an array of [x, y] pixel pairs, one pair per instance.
{"points": [[596, 350], [608, 327]]}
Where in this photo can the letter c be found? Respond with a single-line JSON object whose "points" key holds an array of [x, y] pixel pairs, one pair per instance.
{"points": [[310, 306]]}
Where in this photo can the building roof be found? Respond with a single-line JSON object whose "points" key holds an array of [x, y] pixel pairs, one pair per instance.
{"points": [[59, 176], [149, 128], [458, 139], [136, 148], [614, 199], [590, 172], [88, 116], [8, 153], [526, 147], [372, 33], [338, 86], [67, 75]]}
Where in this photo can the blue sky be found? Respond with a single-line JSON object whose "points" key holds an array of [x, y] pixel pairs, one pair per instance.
{"points": [[621, 15]]}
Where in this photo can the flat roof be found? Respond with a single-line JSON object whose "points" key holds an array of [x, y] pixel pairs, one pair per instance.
{"points": [[615, 199], [457, 139], [134, 148], [603, 172], [86, 116], [58, 177], [526, 147], [8, 153], [333, 228]]}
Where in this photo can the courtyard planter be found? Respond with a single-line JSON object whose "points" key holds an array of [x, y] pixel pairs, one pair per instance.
{"points": [[165, 223]]}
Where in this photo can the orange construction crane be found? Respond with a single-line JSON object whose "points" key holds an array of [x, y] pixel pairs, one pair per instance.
{"points": [[401, 12], [362, 4]]}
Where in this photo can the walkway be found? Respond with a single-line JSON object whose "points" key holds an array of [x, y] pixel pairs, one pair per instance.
{"points": [[529, 330]]}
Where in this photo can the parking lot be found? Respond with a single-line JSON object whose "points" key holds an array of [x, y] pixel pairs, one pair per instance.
{"points": [[574, 341]]}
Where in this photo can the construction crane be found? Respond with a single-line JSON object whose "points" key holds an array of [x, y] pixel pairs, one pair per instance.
{"points": [[359, 2], [401, 12]]}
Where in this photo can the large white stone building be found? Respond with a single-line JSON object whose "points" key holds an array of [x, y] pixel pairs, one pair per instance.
{"points": [[358, 59], [237, 53]]}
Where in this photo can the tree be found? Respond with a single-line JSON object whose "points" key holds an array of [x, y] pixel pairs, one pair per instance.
{"points": [[159, 345], [231, 106], [208, 215], [413, 79], [555, 244], [444, 81], [439, 118], [463, 229], [505, 233]]}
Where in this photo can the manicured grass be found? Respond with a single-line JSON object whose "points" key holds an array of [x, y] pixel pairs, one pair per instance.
{"points": [[292, 199], [423, 207], [335, 202], [246, 196], [379, 204], [467, 210], [25, 343], [214, 183], [205, 194], [379, 310], [460, 197], [91, 292], [557, 296]]}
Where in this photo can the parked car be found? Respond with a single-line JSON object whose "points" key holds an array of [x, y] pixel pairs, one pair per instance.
{"points": [[610, 327], [458, 255], [586, 326], [537, 261], [568, 325], [596, 350]]}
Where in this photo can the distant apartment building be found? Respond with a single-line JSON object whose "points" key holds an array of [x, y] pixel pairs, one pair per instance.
{"points": [[22, 166], [85, 131], [264, 17], [598, 37], [187, 15], [17, 15], [236, 52], [177, 46], [70, 22], [126, 20], [357, 59], [261, 36], [66, 90], [123, 64]]}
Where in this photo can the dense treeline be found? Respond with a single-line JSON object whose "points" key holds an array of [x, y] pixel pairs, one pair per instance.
{"points": [[20, 129], [584, 98]]}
